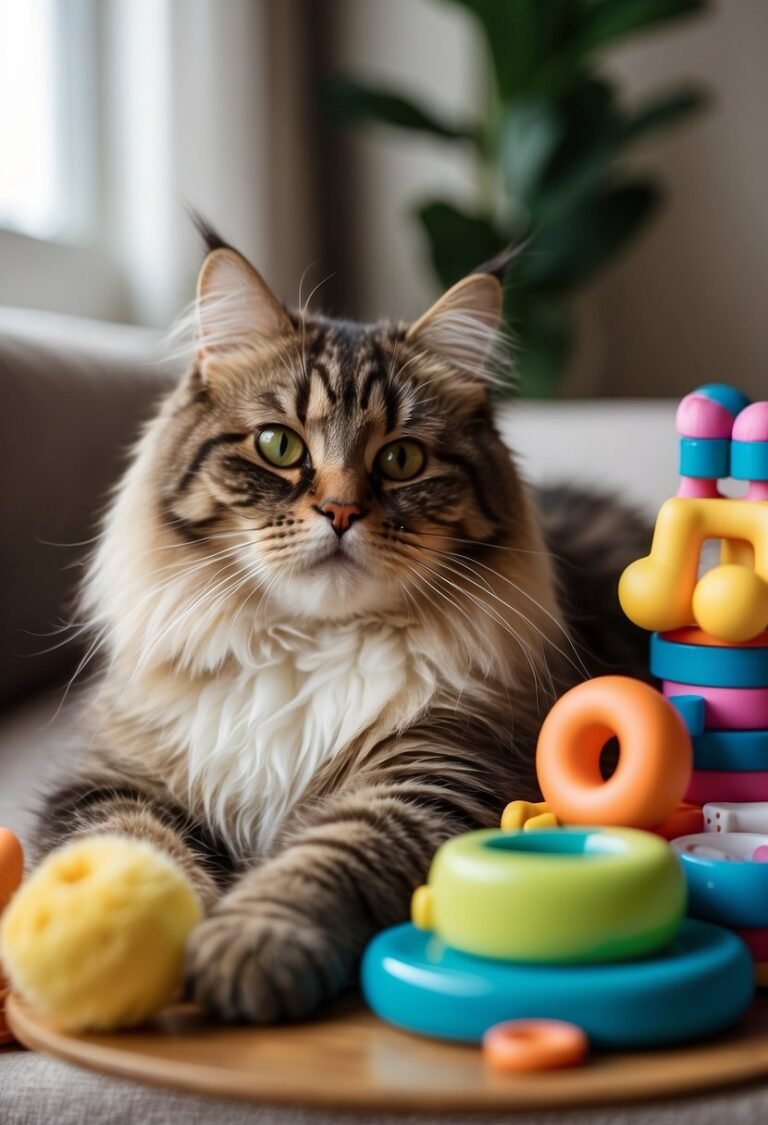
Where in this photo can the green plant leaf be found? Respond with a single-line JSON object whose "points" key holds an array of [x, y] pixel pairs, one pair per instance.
{"points": [[458, 241], [588, 114], [528, 135], [661, 112], [571, 247], [612, 134], [600, 24], [356, 101], [612, 20], [512, 32], [543, 334]]}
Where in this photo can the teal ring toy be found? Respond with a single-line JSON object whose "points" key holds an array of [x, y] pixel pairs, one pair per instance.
{"points": [[727, 891], [709, 665], [700, 984], [737, 750], [692, 709], [707, 458], [749, 460]]}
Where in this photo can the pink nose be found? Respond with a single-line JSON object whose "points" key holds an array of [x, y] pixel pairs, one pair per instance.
{"points": [[342, 516]]}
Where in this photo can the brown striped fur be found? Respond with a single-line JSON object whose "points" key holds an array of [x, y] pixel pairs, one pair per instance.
{"points": [[302, 848]]}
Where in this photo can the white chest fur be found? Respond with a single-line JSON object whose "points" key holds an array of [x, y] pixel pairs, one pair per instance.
{"points": [[254, 737]]}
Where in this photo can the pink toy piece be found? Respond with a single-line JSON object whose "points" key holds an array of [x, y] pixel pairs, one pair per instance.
{"points": [[727, 708], [760, 855], [720, 785], [758, 490], [752, 423], [698, 488], [756, 941], [701, 417]]}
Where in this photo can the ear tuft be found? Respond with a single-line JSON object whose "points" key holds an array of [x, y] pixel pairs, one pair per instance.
{"points": [[235, 306], [462, 327]]}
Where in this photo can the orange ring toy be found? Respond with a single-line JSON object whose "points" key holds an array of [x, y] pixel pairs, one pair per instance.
{"points": [[534, 1045], [655, 755]]}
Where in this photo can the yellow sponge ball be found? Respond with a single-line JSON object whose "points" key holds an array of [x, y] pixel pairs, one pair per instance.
{"points": [[95, 937]]}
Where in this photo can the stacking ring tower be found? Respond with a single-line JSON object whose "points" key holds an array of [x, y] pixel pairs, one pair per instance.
{"points": [[709, 649]]}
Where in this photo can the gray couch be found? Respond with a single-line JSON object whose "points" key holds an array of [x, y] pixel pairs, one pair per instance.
{"points": [[72, 397]]}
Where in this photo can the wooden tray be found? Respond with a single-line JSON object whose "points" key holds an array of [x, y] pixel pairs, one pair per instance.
{"points": [[350, 1060]]}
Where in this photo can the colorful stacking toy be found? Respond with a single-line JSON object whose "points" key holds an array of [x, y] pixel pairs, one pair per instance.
{"points": [[573, 912], [713, 665]]}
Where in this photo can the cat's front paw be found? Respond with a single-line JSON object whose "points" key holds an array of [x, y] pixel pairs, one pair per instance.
{"points": [[244, 968]]}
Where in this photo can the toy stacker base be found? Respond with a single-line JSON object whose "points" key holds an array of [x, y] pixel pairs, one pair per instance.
{"points": [[699, 984], [351, 1060]]}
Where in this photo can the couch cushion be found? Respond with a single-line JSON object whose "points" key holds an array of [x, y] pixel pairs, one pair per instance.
{"points": [[37, 740], [73, 396]]}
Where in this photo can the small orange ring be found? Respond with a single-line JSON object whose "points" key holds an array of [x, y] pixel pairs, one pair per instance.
{"points": [[534, 1045], [655, 755]]}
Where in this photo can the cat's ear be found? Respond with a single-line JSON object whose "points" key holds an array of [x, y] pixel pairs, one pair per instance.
{"points": [[235, 306], [462, 327]]}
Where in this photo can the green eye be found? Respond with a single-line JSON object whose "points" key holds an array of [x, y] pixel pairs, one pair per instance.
{"points": [[400, 460], [280, 446]]}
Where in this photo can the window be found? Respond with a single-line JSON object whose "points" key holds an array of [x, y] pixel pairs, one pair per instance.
{"points": [[46, 153]]}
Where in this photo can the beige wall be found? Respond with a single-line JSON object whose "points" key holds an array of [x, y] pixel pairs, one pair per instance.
{"points": [[686, 303]]}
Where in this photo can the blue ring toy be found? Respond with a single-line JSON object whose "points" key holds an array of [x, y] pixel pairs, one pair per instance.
{"points": [[707, 458], [700, 984], [731, 398], [737, 750], [729, 892], [692, 709], [709, 665], [749, 460]]}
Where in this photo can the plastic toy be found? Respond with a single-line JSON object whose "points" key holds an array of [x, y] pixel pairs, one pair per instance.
{"points": [[11, 871], [654, 762], [692, 709], [524, 1045], [663, 590], [685, 820], [727, 785], [749, 449], [700, 984], [11, 865], [728, 708], [721, 434], [756, 940], [564, 895], [732, 891], [528, 815], [736, 750], [699, 659], [705, 421], [724, 816], [138, 901]]}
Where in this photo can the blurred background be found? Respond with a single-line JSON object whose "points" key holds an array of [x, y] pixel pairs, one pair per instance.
{"points": [[377, 150]]}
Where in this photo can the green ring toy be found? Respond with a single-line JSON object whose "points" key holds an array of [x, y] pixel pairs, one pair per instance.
{"points": [[567, 895]]}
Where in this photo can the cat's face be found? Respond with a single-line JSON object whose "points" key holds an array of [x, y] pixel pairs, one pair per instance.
{"points": [[339, 468]]}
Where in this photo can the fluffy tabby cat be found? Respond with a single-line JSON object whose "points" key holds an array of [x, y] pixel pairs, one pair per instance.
{"points": [[330, 616]]}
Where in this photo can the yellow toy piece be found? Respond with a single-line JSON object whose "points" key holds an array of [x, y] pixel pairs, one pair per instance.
{"points": [[663, 591], [95, 937], [528, 815]]}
